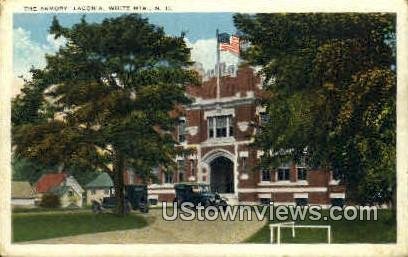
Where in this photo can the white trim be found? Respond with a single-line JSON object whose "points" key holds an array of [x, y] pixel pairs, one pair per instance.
{"points": [[284, 203], [334, 182], [283, 190], [218, 141], [337, 195], [260, 109], [235, 171], [155, 197], [284, 183], [213, 154], [192, 131], [243, 125], [232, 101], [300, 195], [160, 186], [161, 191], [244, 176], [219, 112], [243, 154], [223, 141], [269, 196]]}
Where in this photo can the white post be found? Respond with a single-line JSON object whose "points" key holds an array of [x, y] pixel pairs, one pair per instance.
{"points": [[272, 228], [278, 236], [329, 234], [293, 229]]}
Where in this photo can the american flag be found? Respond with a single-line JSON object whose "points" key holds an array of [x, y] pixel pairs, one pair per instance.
{"points": [[232, 45]]}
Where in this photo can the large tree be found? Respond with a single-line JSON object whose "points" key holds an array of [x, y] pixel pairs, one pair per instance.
{"points": [[330, 92], [112, 89]]}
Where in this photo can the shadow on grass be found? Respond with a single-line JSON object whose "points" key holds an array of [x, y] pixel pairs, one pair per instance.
{"points": [[36, 226]]}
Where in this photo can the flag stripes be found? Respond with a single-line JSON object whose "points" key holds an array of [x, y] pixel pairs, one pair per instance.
{"points": [[232, 46]]}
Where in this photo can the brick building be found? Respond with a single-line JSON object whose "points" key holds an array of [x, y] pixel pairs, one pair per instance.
{"points": [[219, 131]]}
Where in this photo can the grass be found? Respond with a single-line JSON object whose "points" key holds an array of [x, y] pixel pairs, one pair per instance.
{"points": [[44, 225], [42, 209], [383, 230]]}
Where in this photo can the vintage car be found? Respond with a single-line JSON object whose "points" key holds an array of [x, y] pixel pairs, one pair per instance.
{"points": [[135, 199], [198, 193]]}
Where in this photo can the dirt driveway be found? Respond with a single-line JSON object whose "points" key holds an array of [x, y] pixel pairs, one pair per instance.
{"points": [[161, 231]]}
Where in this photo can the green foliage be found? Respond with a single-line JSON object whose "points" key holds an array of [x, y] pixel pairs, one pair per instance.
{"points": [[50, 201], [331, 89], [111, 89]]}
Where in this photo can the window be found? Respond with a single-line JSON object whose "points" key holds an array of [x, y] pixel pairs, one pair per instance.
{"points": [[168, 177], [244, 164], [153, 201], [93, 191], [106, 191], [337, 202], [283, 173], [220, 126], [181, 130], [265, 175], [265, 201], [301, 201], [70, 193], [180, 170], [263, 119], [192, 165], [301, 173]]}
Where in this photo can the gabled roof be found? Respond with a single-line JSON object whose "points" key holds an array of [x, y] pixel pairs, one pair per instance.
{"points": [[21, 189], [60, 190], [102, 180], [48, 181]]}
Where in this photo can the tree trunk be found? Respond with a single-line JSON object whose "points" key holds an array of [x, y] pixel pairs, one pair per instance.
{"points": [[394, 200], [118, 169]]}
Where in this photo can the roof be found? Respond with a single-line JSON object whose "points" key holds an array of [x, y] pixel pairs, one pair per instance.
{"points": [[21, 189], [48, 181], [102, 180], [60, 190]]}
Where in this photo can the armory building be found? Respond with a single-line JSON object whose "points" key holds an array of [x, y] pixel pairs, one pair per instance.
{"points": [[217, 126]]}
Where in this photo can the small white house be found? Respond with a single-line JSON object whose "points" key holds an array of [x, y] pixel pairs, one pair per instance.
{"points": [[100, 187], [63, 185], [22, 194]]}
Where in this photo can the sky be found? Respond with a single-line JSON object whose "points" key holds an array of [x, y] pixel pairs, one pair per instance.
{"points": [[32, 40]]}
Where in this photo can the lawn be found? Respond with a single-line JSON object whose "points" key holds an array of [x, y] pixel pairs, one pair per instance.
{"points": [[43, 225], [383, 230]]}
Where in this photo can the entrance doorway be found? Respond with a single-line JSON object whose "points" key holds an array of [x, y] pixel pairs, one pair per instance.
{"points": [[222, 175]]}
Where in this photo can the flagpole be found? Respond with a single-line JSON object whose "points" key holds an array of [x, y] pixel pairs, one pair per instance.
{"points": [[218, 66]]}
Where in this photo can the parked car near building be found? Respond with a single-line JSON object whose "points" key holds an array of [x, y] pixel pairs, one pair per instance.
{"points": [[198, 194]]}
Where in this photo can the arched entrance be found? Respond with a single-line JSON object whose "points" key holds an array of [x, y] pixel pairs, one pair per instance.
{"points": [[222, 175]]}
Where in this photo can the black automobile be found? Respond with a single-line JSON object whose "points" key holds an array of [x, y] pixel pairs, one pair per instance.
{"points": [[198, 193], [135, 199]]}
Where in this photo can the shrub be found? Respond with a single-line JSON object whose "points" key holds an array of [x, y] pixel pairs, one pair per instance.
{"points": [[50, 201]]}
